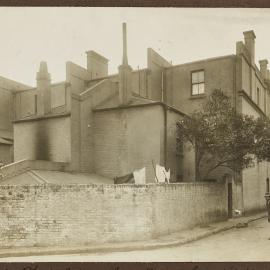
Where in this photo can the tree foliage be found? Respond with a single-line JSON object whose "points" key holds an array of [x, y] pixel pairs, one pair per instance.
{"points": [[222, 137]]}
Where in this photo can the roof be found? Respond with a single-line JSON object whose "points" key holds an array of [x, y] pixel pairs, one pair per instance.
{"points": [[203, 60], [12, 85], [135, 103], [42, 177], [97, 55]]}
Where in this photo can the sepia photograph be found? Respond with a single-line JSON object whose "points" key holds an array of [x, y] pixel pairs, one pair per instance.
{"points": [[134, 134]]}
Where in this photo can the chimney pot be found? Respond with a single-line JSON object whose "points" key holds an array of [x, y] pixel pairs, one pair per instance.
{"points": [[125, 58], [249, 35], [43, 71], [124, 73], [263, 68], [43, 90]]}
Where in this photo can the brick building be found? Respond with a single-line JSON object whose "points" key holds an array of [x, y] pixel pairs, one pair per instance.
{"points": [[8, 90], [93, 120], [187, 86], [111, 125]]}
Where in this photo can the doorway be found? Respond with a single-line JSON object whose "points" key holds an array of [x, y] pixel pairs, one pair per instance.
{"points": [[230, 210]]}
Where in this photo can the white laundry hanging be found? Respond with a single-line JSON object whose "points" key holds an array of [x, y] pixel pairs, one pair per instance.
{"points": [[139, 176], [162, 175]]}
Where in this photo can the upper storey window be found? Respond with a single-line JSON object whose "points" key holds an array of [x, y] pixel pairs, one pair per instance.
{"points": [[197, 81]]}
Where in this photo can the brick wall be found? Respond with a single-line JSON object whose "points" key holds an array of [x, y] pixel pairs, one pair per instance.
{"points": [[26, 102], [55, 215], [104, 91], [120, 142], [156, 64], [145, 139], [110, 142], [218, 73], [175, 160], [6, 114], [121, 145], [254, 185], [253, 178], [82, 122], [7, 88], [251, 81], [139, 84]]}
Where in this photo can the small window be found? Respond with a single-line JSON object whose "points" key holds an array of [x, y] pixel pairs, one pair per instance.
{"points": [[258, 96], [197, 80]]}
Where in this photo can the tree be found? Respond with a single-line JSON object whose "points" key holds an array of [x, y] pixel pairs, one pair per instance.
{"points": [[262, 139], [222, 137]]}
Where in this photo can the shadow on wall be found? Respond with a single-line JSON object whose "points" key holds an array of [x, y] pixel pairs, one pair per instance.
{"points": [[42, 144]]}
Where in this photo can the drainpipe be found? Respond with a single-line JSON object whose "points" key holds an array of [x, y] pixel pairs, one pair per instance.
{"points": [[139, 80], [162, 86], [165, 110], [234, 83]]}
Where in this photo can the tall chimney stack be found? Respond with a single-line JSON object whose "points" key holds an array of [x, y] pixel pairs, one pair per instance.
{"points": [[250, 44], [43, 90], [124, 73], [125, 58]]}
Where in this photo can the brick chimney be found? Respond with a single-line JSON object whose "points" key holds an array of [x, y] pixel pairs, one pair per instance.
{"points": [[124, 74], [263, 68], [250, 44], [97, 65], [43, 90]]}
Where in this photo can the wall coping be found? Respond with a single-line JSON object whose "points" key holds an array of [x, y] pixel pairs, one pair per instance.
{"points": [[22, 166], [43, 117], [202, 60], [124, 186], [131, 106]]}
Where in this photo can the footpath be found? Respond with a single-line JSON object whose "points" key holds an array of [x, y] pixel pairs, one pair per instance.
{"points": [[170, 240]]}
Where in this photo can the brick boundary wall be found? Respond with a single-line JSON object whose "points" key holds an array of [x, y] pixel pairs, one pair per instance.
{"points": [[78, 215]]}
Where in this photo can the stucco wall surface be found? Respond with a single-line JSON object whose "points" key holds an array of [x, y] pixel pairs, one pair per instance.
{"points": [[43, 139]]}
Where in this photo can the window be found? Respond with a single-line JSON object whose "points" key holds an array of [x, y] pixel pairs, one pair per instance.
{"points": [[258, 96], [197, 80]]}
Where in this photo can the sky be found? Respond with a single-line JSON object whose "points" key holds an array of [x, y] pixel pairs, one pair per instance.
{"points": [[56, 35]]}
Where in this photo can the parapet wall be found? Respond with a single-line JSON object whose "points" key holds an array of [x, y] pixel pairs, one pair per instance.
{"points": [[19, 167], [77, 215]]}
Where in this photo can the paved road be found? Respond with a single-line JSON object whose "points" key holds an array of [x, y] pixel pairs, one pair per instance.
{"points": [[245, 244]]}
